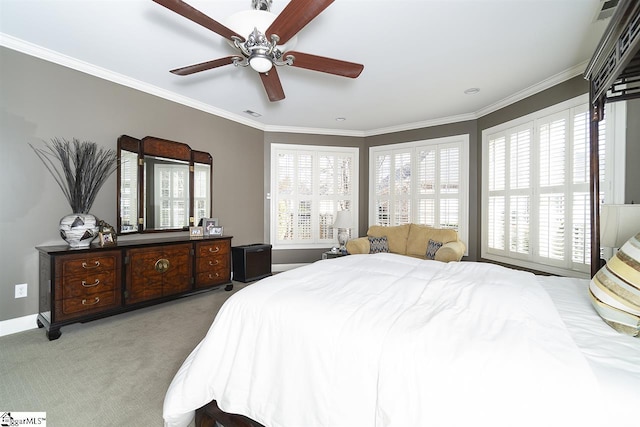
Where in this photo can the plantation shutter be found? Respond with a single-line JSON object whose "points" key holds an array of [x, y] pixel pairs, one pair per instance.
{"points": [[310, 185], [420, 182], [497, 194], [552, 200], [537, 192], [382, 188]]}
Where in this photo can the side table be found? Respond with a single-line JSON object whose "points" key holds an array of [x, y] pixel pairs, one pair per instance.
{"points": [[330, 255]]}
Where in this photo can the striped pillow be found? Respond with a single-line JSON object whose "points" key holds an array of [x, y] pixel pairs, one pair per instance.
{"points": [[615, 289]]}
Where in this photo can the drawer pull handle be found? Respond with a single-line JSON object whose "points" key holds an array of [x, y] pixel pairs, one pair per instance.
{"points": [[95, 301], [217, 250], [96, 283], [96, 265], [211, 275], [162, 265], [216, 262]]}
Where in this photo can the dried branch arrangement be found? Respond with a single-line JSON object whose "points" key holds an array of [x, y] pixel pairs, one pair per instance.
{"points": [[79, 168]]}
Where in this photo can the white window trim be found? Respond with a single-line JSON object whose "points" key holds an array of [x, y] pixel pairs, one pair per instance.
{"points": [[614, 173], [273, 201], [462, 139]]}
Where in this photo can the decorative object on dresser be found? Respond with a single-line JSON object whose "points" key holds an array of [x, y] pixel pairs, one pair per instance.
{"points": [[196, 232], [83, 284], [208, 224], [80, 169], [106, 233]]}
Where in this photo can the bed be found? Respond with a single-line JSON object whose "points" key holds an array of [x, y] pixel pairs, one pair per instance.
{"points": [[390, 340]]}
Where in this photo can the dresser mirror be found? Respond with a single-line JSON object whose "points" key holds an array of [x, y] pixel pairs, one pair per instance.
{"points": [[162, 185]]}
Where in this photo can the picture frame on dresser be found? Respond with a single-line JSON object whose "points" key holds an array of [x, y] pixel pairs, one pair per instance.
{"points": [[106, 238], [208, 224], [196, 232], [217, 231]]}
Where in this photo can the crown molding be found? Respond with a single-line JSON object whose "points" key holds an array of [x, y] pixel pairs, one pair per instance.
{"points": [[84, 67], [534, 89]]}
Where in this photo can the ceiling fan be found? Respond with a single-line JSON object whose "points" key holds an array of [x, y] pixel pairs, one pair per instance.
{"points": [[262, 50]]}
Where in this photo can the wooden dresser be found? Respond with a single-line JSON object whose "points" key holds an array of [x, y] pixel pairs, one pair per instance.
{"points": [[79, 285]]}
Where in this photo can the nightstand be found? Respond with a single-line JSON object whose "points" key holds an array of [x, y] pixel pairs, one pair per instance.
{"points": [[329, 255]]}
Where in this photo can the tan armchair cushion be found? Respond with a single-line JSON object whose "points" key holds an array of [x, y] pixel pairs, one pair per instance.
{"points": [[358, 246], [452, 251], [396, 236]]}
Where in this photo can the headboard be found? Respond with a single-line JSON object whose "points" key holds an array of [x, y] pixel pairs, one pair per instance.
{"points": [[614, 75]]}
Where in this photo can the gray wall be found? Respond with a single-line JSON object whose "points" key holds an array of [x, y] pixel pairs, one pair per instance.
{"points": [[40, 100]]}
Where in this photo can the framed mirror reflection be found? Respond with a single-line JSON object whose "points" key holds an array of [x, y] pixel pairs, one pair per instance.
{"points": [[162, 185]]}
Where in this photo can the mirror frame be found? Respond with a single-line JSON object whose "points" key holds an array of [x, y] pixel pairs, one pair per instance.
{"points": [[158, 147]]}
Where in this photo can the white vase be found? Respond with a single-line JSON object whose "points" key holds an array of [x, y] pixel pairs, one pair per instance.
{"points": [[79, 229]]}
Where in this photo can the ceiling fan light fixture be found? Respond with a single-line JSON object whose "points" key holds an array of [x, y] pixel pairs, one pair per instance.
{"points": [[260, 62]]}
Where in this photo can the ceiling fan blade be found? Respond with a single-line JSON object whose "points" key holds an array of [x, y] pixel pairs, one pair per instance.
{"points": [[295, 16], [196, 68], [325, 65], [193, 14], [272, 85]]}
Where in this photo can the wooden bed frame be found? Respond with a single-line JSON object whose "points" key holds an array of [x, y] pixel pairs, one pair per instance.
{"points": [[614, 75]]}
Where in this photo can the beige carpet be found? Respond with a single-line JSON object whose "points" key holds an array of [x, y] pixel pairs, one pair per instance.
{"points": [[109, 372]]}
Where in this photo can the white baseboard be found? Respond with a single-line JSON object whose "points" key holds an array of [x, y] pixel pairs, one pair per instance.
{"points": [[19, 324], [279, 268]]}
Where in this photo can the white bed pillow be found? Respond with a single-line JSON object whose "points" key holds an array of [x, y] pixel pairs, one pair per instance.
{"points": [[615, 289]]}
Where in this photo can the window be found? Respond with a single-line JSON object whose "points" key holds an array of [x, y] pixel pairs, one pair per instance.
{"points": [[424, 182], [172, 196], [201, 191], [309, 184], [128, 191], [536, 190]]}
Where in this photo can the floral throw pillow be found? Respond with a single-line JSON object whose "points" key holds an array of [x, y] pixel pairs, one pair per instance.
{"points": [[432, 248], [378, 245]]}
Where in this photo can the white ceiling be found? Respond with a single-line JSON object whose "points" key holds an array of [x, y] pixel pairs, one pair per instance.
{"points": [[419, 56]]}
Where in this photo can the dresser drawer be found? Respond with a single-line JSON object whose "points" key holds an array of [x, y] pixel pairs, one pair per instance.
{"points": [[81, 264], [82, 305], [214, 248], [212, 263], [212, 277], [86, 284]]}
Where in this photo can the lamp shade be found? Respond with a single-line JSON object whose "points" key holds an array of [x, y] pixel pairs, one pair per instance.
{"points": [[343, 220], [618, 223]]}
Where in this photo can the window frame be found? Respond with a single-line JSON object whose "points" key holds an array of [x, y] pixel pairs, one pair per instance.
{"points": [[315, 150], [461, 141], [569, 109]]}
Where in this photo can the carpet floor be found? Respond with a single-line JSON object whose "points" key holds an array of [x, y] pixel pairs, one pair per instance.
{"points": [[109, 372]]}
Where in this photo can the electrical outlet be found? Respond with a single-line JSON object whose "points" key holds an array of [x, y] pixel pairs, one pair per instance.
{"points": [[21, 290]]}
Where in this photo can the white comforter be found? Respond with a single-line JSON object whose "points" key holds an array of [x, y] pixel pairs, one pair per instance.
{"points": [[388, 340]]}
